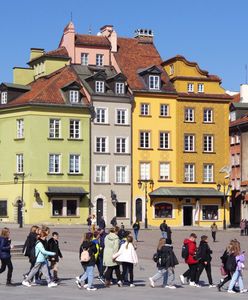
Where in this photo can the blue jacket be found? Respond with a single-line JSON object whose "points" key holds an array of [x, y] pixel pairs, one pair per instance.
{"points": [[4, 248], [41, 253]]}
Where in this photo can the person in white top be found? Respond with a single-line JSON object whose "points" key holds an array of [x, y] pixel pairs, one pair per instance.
{"points": [[93, 223], [128, 257]]}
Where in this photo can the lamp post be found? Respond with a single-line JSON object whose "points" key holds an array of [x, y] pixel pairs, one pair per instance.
{"points": [[20, 203], [224, 200], [145, 182]]}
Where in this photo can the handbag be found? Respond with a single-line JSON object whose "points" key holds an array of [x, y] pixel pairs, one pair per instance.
{"points": [[223, 271]]}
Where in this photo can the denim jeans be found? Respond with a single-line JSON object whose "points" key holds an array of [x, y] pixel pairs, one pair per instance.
{"points": [[164, 234], [166, 274], [88, 274], [136, 232], [237, 276]]}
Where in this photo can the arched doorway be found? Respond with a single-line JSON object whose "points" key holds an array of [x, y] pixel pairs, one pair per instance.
{"points": [[138, 211], [99, 209]]}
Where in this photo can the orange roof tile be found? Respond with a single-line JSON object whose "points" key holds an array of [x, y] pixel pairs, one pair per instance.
{"points": [[239, 121], [236, 98]]}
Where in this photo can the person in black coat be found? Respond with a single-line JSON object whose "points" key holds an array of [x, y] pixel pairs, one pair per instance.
{"points": [[53, 246], [102, 224], [203, 254], [5, 256]]}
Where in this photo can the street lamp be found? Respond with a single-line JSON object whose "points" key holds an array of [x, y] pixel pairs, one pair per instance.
{"points": [[20, 203], [145, 182], [224, 200]]}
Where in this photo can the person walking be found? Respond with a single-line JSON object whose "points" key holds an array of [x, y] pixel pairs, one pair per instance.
{"points": [[102, 224], [136, 228], [190, 274], [242, 227], [89, 223], [53, 246], [5, 256], [163, 228], [214, 230], [93, 223], [203, 255], [113, 222]]}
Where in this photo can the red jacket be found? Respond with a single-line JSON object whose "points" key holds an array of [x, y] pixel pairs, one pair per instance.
{"points": [[192, 250]]}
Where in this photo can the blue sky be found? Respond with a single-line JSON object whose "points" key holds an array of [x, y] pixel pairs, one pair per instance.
{"points": [[210, 32]]}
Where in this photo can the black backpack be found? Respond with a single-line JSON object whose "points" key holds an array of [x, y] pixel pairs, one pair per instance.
{"points": [[32, 256], [231, 263], [185, 251]]}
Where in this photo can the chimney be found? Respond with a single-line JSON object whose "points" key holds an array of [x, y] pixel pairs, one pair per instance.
{"points": [[109, 32], [244, 93], [68, 40], [36, 52], [144, 35]]}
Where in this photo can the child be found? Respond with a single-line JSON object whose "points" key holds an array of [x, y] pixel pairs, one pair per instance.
{"points": [[53, 246], [5, 256], [127, 255]]}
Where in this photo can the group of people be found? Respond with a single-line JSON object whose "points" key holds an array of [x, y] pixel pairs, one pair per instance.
{"points": [[244, 227]]}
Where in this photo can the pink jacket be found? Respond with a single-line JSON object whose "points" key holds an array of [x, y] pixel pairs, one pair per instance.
{"points": [[126, 253]]}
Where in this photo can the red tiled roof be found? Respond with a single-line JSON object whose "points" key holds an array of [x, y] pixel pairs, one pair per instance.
{"points": [[203, 95], [133, 55], [92, 40], [47, 89], [58, 52], [239, 121], [236, 98]]}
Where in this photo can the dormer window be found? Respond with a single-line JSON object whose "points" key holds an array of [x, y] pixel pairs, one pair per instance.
{"points": [[74, 96], [154, 82], [119, 88], [99, 87], [4, 96], [171, 69], [84, 59], [99, 59], [190, 87]]}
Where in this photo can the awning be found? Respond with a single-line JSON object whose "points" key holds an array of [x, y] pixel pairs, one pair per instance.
{"points": [[66, 191], [170, 192]]}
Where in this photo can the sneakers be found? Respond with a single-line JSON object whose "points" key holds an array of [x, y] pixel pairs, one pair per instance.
{"points": [[243, 291], [85, 286], [52, 284], [151, 282], [170, 287], [26, 283], [218, 288], [78, 282], [132, 285], [91, 288], [101, 279], [192, 283], [212, 286], [119, 283], [231, 291], [182, 279]]}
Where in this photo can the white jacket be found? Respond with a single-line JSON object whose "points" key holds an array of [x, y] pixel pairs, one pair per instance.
{"points": [[126, 254]]}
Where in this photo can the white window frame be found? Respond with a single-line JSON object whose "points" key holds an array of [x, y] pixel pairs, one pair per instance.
{"points": [[165, 135], [4, 97], [208, 143], [232, 139], [209, 220], [189, 143], [54, 159], [84, 59], [171, 69], [190, 87], [208, 173], [106, 175], [200, 87], [145, 170], [54, 128], [208, 115], [145, 139], [189, 114], [164, 171], [99, 86], [121, 138], [19, 163], [102, 140], [20, 128], [120, 88], [74, 129], [189, 172], [232, 115], [74, 163], [64, 208], [121, 178], [145, 109], [74, 96], [154, 82], [164, 110], [123, 118], [103, 114], [99, 59], [237, 139]]}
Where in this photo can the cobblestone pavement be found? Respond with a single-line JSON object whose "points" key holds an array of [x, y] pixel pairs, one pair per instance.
{"points": [[70, 267]]}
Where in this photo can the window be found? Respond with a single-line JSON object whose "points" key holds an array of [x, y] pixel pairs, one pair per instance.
{"points": [[189, 115], [19, 163], [101, 115], [54, 163], [191, 87], [238, 183], [121, 116], [74, 129], [163, 210], [101, 174], [99, 59], [164, 171], [4, 96], [74, 163], [189, 172], [189, 143], [164, 110], [84, 59], [74, 96], [237, 139], [145, 170], [164, 140], [65, 208], [3, 208], [101, 144], [210, 212], [71, 207], [237, 159], [233, 160], [20, 128], [232, 115], [200, 88], [57, 207], [208, 115], [154, 82], [171, 69], [232, 139], [119, 88], [208, 143], [144, 139], [121, 209], [208, 173], [54, 128], [121, 145], [144, 109], [99, 86], [121, 174]]}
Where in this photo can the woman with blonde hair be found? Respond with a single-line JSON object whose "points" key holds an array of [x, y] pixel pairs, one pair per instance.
{"points": [[5, 256]]}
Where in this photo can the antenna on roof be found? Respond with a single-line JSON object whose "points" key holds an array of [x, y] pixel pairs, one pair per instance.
{"points": [[90, 31], [71, 16], [246, 74]]}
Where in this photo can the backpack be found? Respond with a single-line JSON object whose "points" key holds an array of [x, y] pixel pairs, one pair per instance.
{"points": [[231, 263], [26, 247], [185, 251], [155, 257], [32, 256], [85, 256]]}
